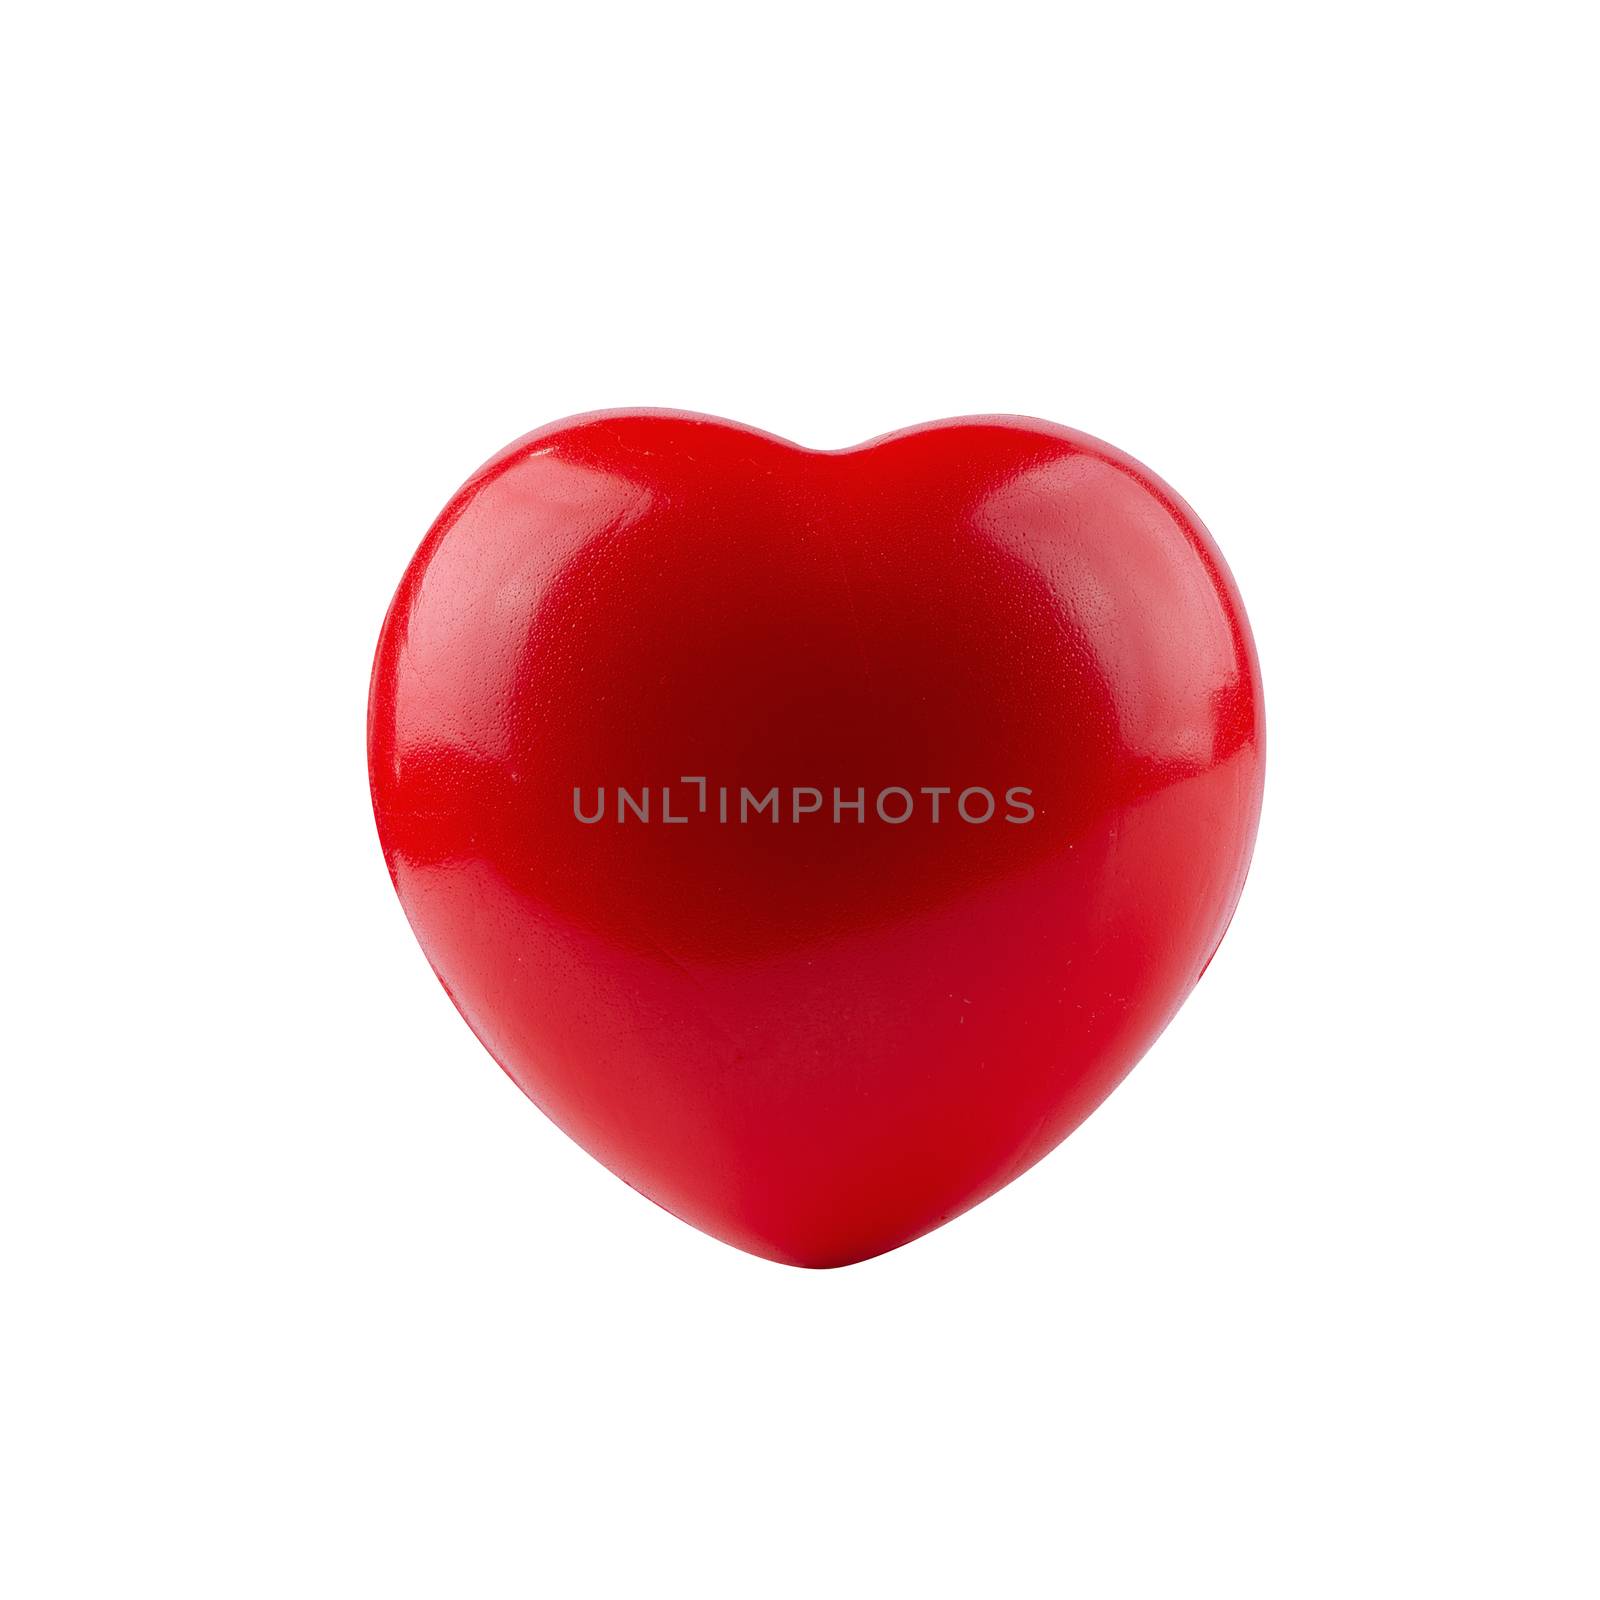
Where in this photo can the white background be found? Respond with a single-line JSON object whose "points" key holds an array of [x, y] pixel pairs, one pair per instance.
{"points": [[302, 1297]]}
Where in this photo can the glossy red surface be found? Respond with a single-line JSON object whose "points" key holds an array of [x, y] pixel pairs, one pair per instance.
{"points": [[819, 1036]]}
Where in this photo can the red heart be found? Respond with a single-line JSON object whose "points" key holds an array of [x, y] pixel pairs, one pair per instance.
{"points": [[816, 837]]}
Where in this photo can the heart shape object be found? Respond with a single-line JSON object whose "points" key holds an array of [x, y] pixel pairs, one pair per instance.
{"points": [[816, 837]]}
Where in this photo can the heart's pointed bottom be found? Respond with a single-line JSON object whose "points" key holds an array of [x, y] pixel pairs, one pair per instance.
{"points": [[823, 1254]]}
